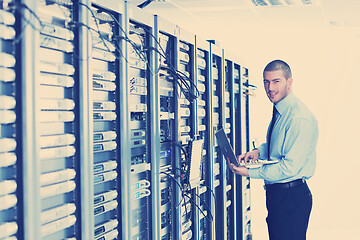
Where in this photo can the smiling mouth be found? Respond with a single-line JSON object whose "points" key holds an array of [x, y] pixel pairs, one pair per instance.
{"points": [[272, 94]]}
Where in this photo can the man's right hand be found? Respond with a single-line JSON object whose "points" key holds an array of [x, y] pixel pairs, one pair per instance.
{"points": [[249, 156]]}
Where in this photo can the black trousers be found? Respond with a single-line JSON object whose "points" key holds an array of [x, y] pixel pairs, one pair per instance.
{"points": [[288, 212]]}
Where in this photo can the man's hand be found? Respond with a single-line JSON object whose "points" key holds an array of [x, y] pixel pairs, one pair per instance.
{"points": [[246, 157], [249, 156], [243, 171]]}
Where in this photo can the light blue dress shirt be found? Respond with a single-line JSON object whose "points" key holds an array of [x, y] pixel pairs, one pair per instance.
{"points": [[293, 143]]}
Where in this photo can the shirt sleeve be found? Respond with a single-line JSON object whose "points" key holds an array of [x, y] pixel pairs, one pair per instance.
{"points": [[263, 151], [254, 172], [294, 151]]}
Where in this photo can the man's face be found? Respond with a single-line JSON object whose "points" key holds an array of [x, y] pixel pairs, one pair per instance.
{"points": [[276, 85]]}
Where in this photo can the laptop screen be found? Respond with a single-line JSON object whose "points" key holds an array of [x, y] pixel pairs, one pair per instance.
{"points": [[225, 146]]}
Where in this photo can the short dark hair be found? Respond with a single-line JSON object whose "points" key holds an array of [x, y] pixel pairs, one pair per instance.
{"points": [[279, 65]]}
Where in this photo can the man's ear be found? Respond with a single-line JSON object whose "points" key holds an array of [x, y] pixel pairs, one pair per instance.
{"points": [[290, 82]]}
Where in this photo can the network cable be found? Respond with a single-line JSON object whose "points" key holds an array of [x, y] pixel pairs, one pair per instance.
{"points": [[178, 74], [184, 185], [175, 73], [98, 31], [186, 193], [18, 7]]}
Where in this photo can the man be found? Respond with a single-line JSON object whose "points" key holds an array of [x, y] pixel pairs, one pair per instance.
{"points": [[291, 139]]}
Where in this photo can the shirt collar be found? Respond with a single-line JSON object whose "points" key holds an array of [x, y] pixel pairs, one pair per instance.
{"points": [[285, 103]]}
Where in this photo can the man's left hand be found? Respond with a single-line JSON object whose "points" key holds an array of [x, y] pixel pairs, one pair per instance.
{"points": [[243, 171]]}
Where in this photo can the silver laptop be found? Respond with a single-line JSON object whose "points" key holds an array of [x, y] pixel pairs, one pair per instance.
{"points": [[228, 152]]}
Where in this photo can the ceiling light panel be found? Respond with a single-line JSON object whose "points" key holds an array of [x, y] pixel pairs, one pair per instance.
{"points": [[272, 3], [204, 5]]}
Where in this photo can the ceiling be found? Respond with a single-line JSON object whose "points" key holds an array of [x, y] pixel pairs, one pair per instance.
{"points": [[344, 13]]}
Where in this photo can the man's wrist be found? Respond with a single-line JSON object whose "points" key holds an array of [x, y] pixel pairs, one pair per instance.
{"points": [[244, 172]]}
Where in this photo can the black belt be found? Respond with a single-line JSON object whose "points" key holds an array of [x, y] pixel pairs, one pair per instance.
{"points": [[284, 185]]}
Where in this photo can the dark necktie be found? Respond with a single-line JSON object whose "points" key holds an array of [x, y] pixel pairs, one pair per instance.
{"points": [[271, 128]]}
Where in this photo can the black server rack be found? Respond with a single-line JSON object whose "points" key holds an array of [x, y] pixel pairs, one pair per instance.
{"points": [[140, 70], [203, 214], [186, 130], [242, 111], [229, 126], [217, 90], [10, 132], [169, 186], [104, 100], [246, 213]]}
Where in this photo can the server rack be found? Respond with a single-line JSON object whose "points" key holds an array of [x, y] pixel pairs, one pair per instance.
{"points": [[186, 109], [242, 110], [143, 175], [203, 215], [238, 144], [217, 84], [10, 134], [169, 155], [229, 125], [48, 160], [104, 98], [246, 214], [57, 122]]}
